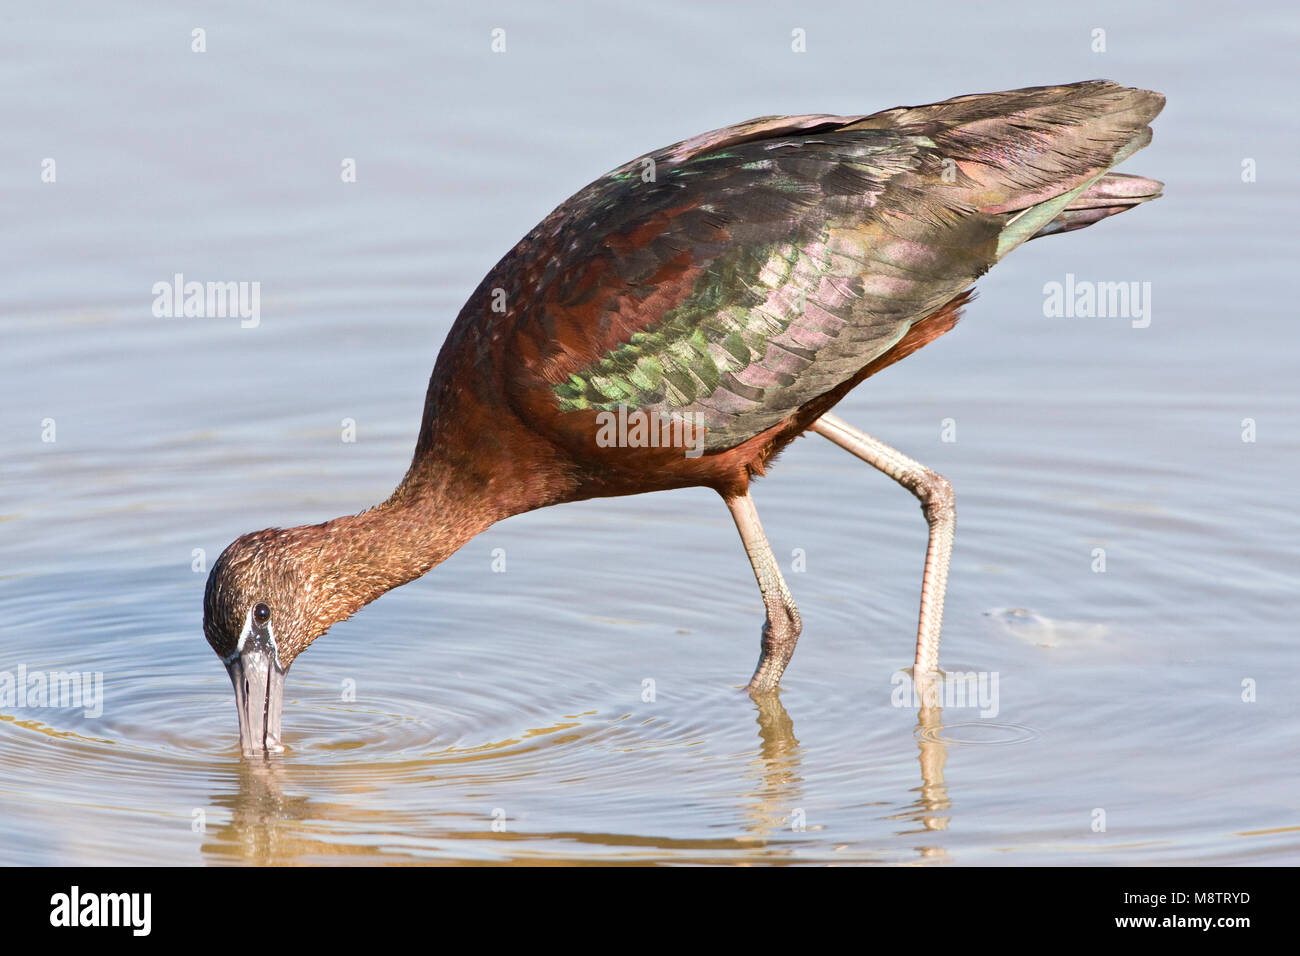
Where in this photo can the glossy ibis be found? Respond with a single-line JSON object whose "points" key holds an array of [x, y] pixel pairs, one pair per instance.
{"points": [[680, 321]]}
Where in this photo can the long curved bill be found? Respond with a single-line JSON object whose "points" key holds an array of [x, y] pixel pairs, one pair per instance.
{"points": [[259, 692]]}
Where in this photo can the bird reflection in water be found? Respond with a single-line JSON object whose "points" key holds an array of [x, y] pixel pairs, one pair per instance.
{"points": [[778, 799]]}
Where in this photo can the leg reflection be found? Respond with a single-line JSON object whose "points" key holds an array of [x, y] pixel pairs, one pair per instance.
{"points": [[776, 801]]}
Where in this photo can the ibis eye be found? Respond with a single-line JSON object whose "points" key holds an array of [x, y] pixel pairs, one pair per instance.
{"points": [[261, 613]]}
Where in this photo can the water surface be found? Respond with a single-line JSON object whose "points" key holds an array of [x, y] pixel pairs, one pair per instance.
{"points": [[583, 704]]}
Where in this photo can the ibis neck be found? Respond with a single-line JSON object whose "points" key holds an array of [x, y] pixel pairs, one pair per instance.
{"points": [[406, 536], [350, 561], [472, 468]]}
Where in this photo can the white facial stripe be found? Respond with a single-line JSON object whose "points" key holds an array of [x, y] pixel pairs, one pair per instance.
{"points": [[243, 637], [248, 629]]}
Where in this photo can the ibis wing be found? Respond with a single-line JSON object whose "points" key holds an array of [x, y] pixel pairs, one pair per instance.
{"points": [[739, 275], [740, 282]]}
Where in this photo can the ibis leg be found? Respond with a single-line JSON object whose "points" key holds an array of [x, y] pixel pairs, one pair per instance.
{"points": [[781, 629], [935, 495]]}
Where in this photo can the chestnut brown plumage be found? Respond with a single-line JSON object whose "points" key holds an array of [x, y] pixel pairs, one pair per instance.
{"points": [[736, 286]]}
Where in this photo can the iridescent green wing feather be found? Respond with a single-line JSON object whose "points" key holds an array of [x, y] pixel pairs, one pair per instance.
{"points": [[738, 276]]}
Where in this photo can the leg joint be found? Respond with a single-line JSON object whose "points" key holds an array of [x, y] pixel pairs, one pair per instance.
{"points": [[783, 625], [786, 617], [936, 495]]}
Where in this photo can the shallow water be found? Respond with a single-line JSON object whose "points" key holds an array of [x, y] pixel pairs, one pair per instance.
{"points": [[484, 716]]}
